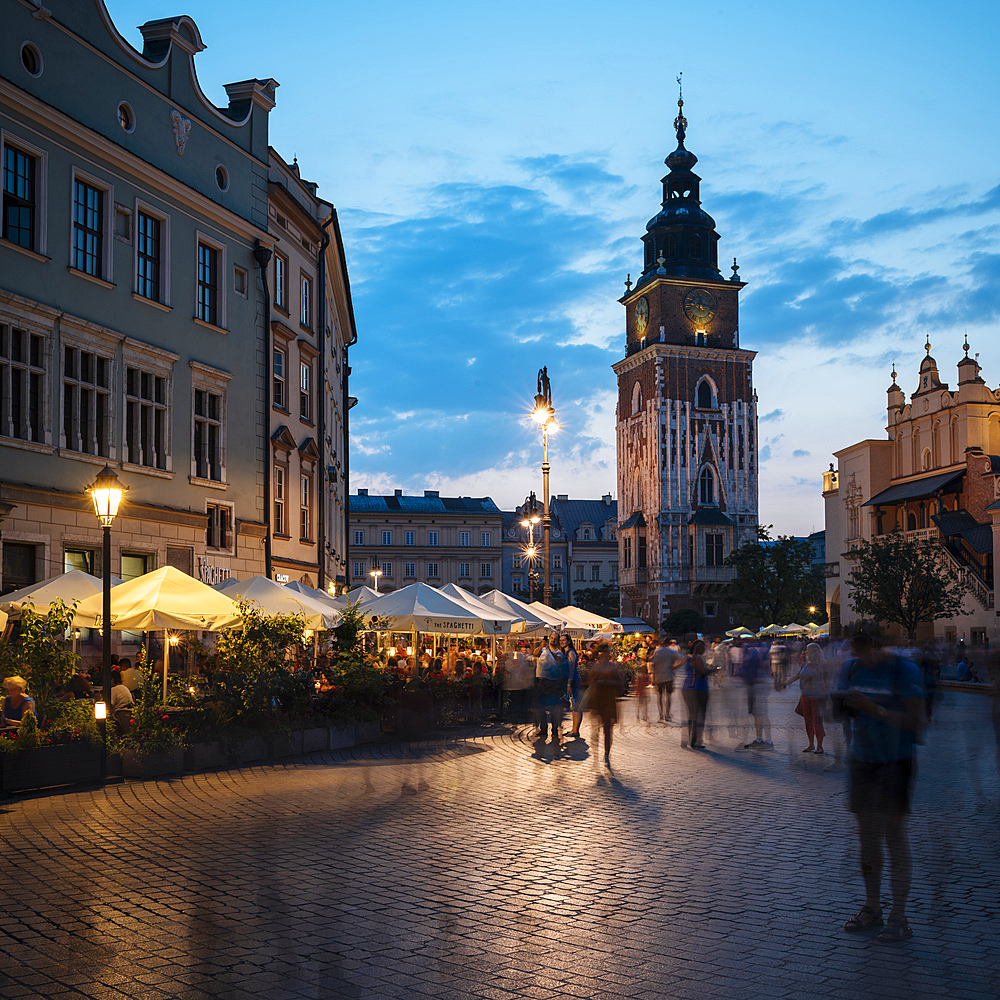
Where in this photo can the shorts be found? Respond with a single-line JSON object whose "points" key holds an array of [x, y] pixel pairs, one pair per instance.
{"points": [[881, 788], [667, 686]]}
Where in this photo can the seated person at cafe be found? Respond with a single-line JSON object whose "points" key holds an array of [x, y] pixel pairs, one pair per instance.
{"points": [[132, 677], [79, 685], [121, 703], [17, 701]]}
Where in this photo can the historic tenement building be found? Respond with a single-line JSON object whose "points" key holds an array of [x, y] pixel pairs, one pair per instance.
{"points": [[687, 414], [936, 475], [140, 233], [425, 539]]}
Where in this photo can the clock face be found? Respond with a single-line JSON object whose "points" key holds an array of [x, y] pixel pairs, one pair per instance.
{"points": [[700, 306], [641, 316]]}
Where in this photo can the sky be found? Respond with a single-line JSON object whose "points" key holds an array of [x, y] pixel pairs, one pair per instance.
{"points": [[494, 166]]}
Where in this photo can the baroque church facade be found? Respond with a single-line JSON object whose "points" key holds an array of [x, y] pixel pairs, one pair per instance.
{"points": [[686, 423]]}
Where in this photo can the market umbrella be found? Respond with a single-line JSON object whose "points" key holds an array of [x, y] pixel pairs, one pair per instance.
{"points": [[67, 587], [275, 599], [421, 608], [793, 629], [363, 594], [511, 605], [549, 615], [503, 622], [740, 633], [587, 619], [319, 596], [821, 631], [769, 629]]}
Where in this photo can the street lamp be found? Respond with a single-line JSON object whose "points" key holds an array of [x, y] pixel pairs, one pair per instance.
{"points": [[529, 521], [375, 573], [106, 491], [545, 416]]}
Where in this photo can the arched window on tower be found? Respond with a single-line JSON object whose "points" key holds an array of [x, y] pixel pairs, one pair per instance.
{"points": [[695, 246], [670, 247], [636, 398], [706, 486], [925, 460], [705, 394]]}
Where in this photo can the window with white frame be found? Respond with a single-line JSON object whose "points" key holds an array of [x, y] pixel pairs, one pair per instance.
{"points": [[219, 534], [464, 570], [518, 562], [86, 402], [208, 310], [387, 538], [280, 282], [432, 570], [21, 194], [280, 389], [305, 393], [146, 418], [22, 384], [359, 537], [90, 227], [713, 549], [486, 570], [432, 539], [305, 300], [359, 569], [484, 539], [409, 570], [305, 507], [517, 584], [149, 256], [556, 561], [463, 538], [579, 572], [410, 538], [279, 525], [387, 569], [208, 422], [595, 571], [614, 572]]}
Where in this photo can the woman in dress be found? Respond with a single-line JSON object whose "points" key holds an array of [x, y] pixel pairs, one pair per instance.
{"points": [[813, 689], [605, 686], [575, 683], [695, 691]]}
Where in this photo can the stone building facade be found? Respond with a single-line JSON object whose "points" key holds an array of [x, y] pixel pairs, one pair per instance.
{"points": [[935, 476], [686, 416], [425, 539]]}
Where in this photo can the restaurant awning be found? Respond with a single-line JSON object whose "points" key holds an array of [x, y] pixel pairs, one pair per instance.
{"points": [[915, 489]]}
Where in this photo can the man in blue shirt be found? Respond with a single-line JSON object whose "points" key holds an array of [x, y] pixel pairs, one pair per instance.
{"points": [[882, 697]]}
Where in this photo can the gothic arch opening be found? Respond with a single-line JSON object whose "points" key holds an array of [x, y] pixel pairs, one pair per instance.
{"points": [[706, 486], [636, 398], [706, 394]]}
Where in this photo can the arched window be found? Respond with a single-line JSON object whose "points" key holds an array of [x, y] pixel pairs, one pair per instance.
{"points": [[925, 460], [695, 245], [670, 249], [586, 534], [706, 486], [911, 521], [636, 398], [705, 399]]}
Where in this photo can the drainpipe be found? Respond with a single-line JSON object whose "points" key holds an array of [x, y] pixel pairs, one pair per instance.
{"points": [[262, 255], [321, 421]]}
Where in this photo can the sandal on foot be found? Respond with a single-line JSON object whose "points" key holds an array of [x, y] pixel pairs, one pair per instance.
{"points": [[865, 919], [896, 930]]}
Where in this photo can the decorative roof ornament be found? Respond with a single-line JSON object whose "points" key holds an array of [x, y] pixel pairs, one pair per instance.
{"points": [[680, 122], [965, 346], [894, 375], [736, 271], [628, 283], [927, 346], [661, 260]]}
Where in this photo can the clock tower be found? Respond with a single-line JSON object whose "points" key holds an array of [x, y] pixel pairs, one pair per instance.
{"points": [[687, 414]]}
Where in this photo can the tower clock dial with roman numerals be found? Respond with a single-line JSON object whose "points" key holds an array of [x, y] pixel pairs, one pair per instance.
{"points": [[700, 306]]}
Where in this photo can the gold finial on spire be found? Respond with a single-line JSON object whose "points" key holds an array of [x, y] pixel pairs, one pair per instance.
{"points": [[894, 373], [965, 346], [927, 346], [680, 122]]}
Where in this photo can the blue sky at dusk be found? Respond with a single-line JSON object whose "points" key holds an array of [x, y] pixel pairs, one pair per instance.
{"points": [[494, 168]]}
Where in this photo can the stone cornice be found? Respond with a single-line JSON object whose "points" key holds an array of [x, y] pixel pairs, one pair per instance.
{"points": [[659, 351]]}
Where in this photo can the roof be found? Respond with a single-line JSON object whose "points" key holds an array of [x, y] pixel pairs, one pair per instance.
{"points": [[400, 504], [710, 515], [979, 538], [573, 513], [915, 489], [954, 522], [635, 521]]}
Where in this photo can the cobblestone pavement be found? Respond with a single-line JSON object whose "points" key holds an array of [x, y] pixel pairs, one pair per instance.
{"points": [[484, 866]]}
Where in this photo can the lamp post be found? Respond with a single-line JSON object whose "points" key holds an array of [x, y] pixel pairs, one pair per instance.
{"points": [[106, 492], [545, 416], [529, 521], [375, 573]]}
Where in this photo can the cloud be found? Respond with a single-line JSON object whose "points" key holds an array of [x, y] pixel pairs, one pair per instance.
{"points": [[773, 415], [799, 453]]}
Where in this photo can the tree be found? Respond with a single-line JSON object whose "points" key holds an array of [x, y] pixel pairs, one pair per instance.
{"points": [[775, 579], [682, 621], [602, 601], [904, 582]]}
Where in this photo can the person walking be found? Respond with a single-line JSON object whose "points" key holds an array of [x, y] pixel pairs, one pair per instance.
{"points": [[665, 661], [695, 692], [552, 676], [812, 693], [882, 695], [575, 692], [605, 683]]}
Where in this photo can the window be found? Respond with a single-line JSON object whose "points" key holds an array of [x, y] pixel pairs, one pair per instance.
{"points": [[627, 552], [486, 570], [305, 507], [432, 539], [305, 300], [463, 538], [148, 257], [409, 570], [31, 59], [556, 561], [586, 534], [22, 384], [279, 501], [359, 569], [208, 284], [88, 228], [705, 395], [359, 538], [19, 566], [410, 538], [517, 562], [19, 200], [517, 584], [222, 178], [706, 486], [711, 609], [134, 566], [595, 571], [387, 538], [579, 571], [86, 402], [220, 526], [280, 282], [279, 379], [432, 570], [614, 572], [484, 539], [125, 117], [713, 549], [81, 559], [695, 246], [208, 407], [641, 553], [464, 569], [240, 281], [387, 569], [305, 397]]}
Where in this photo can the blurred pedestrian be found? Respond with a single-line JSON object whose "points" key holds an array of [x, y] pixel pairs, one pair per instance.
{"points": [[882, 695], [605, 682], [665, 661], [812, 678], [754, 674], [642, 689], [695, 692], [568, 650], [552, 680]]}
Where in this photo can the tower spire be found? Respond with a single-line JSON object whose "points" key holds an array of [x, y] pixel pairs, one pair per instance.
{"points": [[680, 122]]}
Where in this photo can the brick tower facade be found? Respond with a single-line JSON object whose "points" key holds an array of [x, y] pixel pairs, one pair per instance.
{"points": [[687, 415]]}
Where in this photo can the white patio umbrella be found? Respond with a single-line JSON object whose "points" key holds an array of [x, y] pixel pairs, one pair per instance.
{"points": [[793, 629], [534, 622], [67, 587], [549, 614], [504, 623], [319, 596], [740, 633], [164, 599], [3, 620], [421, 608], [363, 594], [587, 619], [275, 599]]}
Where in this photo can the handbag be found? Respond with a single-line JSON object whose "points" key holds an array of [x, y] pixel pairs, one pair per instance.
{"points": [[798, 707]]}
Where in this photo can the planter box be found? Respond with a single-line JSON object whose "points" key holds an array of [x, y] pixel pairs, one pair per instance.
{"points": [[342, 737], [152, 765], [205, 756], [254, 748], [285, 745], [367, 732], [67, 764], [316, 739]]}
